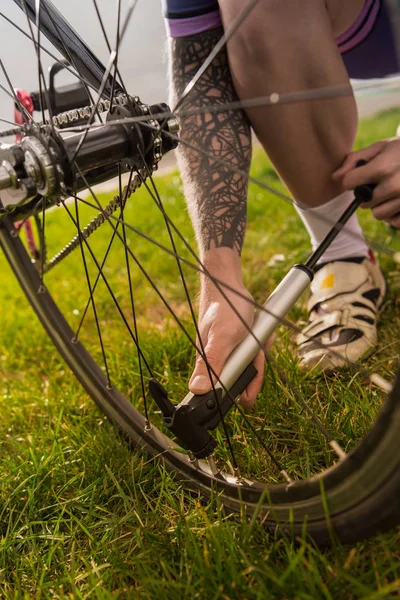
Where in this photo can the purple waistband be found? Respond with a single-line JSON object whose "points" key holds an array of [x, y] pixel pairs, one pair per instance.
{"points": [[358, 31], [192, 25], [361, 27]]}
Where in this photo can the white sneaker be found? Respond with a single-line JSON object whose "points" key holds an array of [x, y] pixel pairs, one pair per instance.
{"points": [[343, 311]]}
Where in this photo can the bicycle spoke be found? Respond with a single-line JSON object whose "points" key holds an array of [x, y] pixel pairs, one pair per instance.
{"points": [[135, 327], [131, 7], [96, 7], [40, 71], [41, 80], [172, 312], [277, 193], [314, 418], [90, 291], [117, 72], [43, 93], [329, 92], [179, 323], [9, 122], [112, 62], [108, 47], [101, 274], [218, 47], [159, 204], [53, 56], [117, 42], [199, 268], [330, 439], [103, 262], [73, 64], [27, 117], [42, 243], [33, 211], [316, 421]]}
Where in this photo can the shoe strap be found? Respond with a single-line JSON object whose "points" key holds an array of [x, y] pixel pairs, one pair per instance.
{"points": [[321, 323], [335, 279], [339, 319]]}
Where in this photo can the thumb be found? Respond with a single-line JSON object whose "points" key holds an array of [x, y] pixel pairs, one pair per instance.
{"points": [[216, 352], [352, 159]]}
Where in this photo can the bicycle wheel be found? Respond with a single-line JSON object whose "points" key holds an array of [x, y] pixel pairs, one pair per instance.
{"points": [[108, 328]]}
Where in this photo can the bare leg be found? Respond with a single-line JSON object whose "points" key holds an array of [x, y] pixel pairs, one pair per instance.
{"points": [[287, 46]]}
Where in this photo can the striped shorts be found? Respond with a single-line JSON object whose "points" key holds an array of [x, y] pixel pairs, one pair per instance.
{"points": [[369, 48]]}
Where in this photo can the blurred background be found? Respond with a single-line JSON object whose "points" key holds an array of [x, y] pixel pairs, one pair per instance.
{"points": [[142, 58]]}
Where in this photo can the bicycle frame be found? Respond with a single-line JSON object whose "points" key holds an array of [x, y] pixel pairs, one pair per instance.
{"points": [[63, 37]]}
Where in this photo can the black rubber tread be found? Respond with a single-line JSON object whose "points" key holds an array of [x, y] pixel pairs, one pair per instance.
{"points": [[362, 491]]}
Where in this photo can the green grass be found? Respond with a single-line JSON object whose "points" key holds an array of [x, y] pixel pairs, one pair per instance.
{"points": [[84, 516]]}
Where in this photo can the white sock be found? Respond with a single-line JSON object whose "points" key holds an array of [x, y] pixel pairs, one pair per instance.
{"points": [[320, 220]]}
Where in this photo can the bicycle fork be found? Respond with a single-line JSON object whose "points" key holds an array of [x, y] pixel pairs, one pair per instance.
{"points": [[193, 418]]}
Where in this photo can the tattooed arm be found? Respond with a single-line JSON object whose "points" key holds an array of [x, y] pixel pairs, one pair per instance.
{"points": [[216, 195]]}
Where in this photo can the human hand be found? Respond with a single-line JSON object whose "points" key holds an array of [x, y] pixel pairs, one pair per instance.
{"points": [[221, 330], [383, 170]]}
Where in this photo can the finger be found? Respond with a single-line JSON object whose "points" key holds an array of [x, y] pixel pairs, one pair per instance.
{"points": [[204, 331], [216, 351], [387, 189], [387, 211], [395, 221], [249, 396], [383, 192], [352, 159], [373, 172]]}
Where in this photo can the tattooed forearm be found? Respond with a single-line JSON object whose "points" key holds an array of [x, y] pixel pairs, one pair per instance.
{"points": [[216, 194]]}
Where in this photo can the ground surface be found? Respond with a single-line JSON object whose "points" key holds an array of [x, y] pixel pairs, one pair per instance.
{"points": [[82, 516]]}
